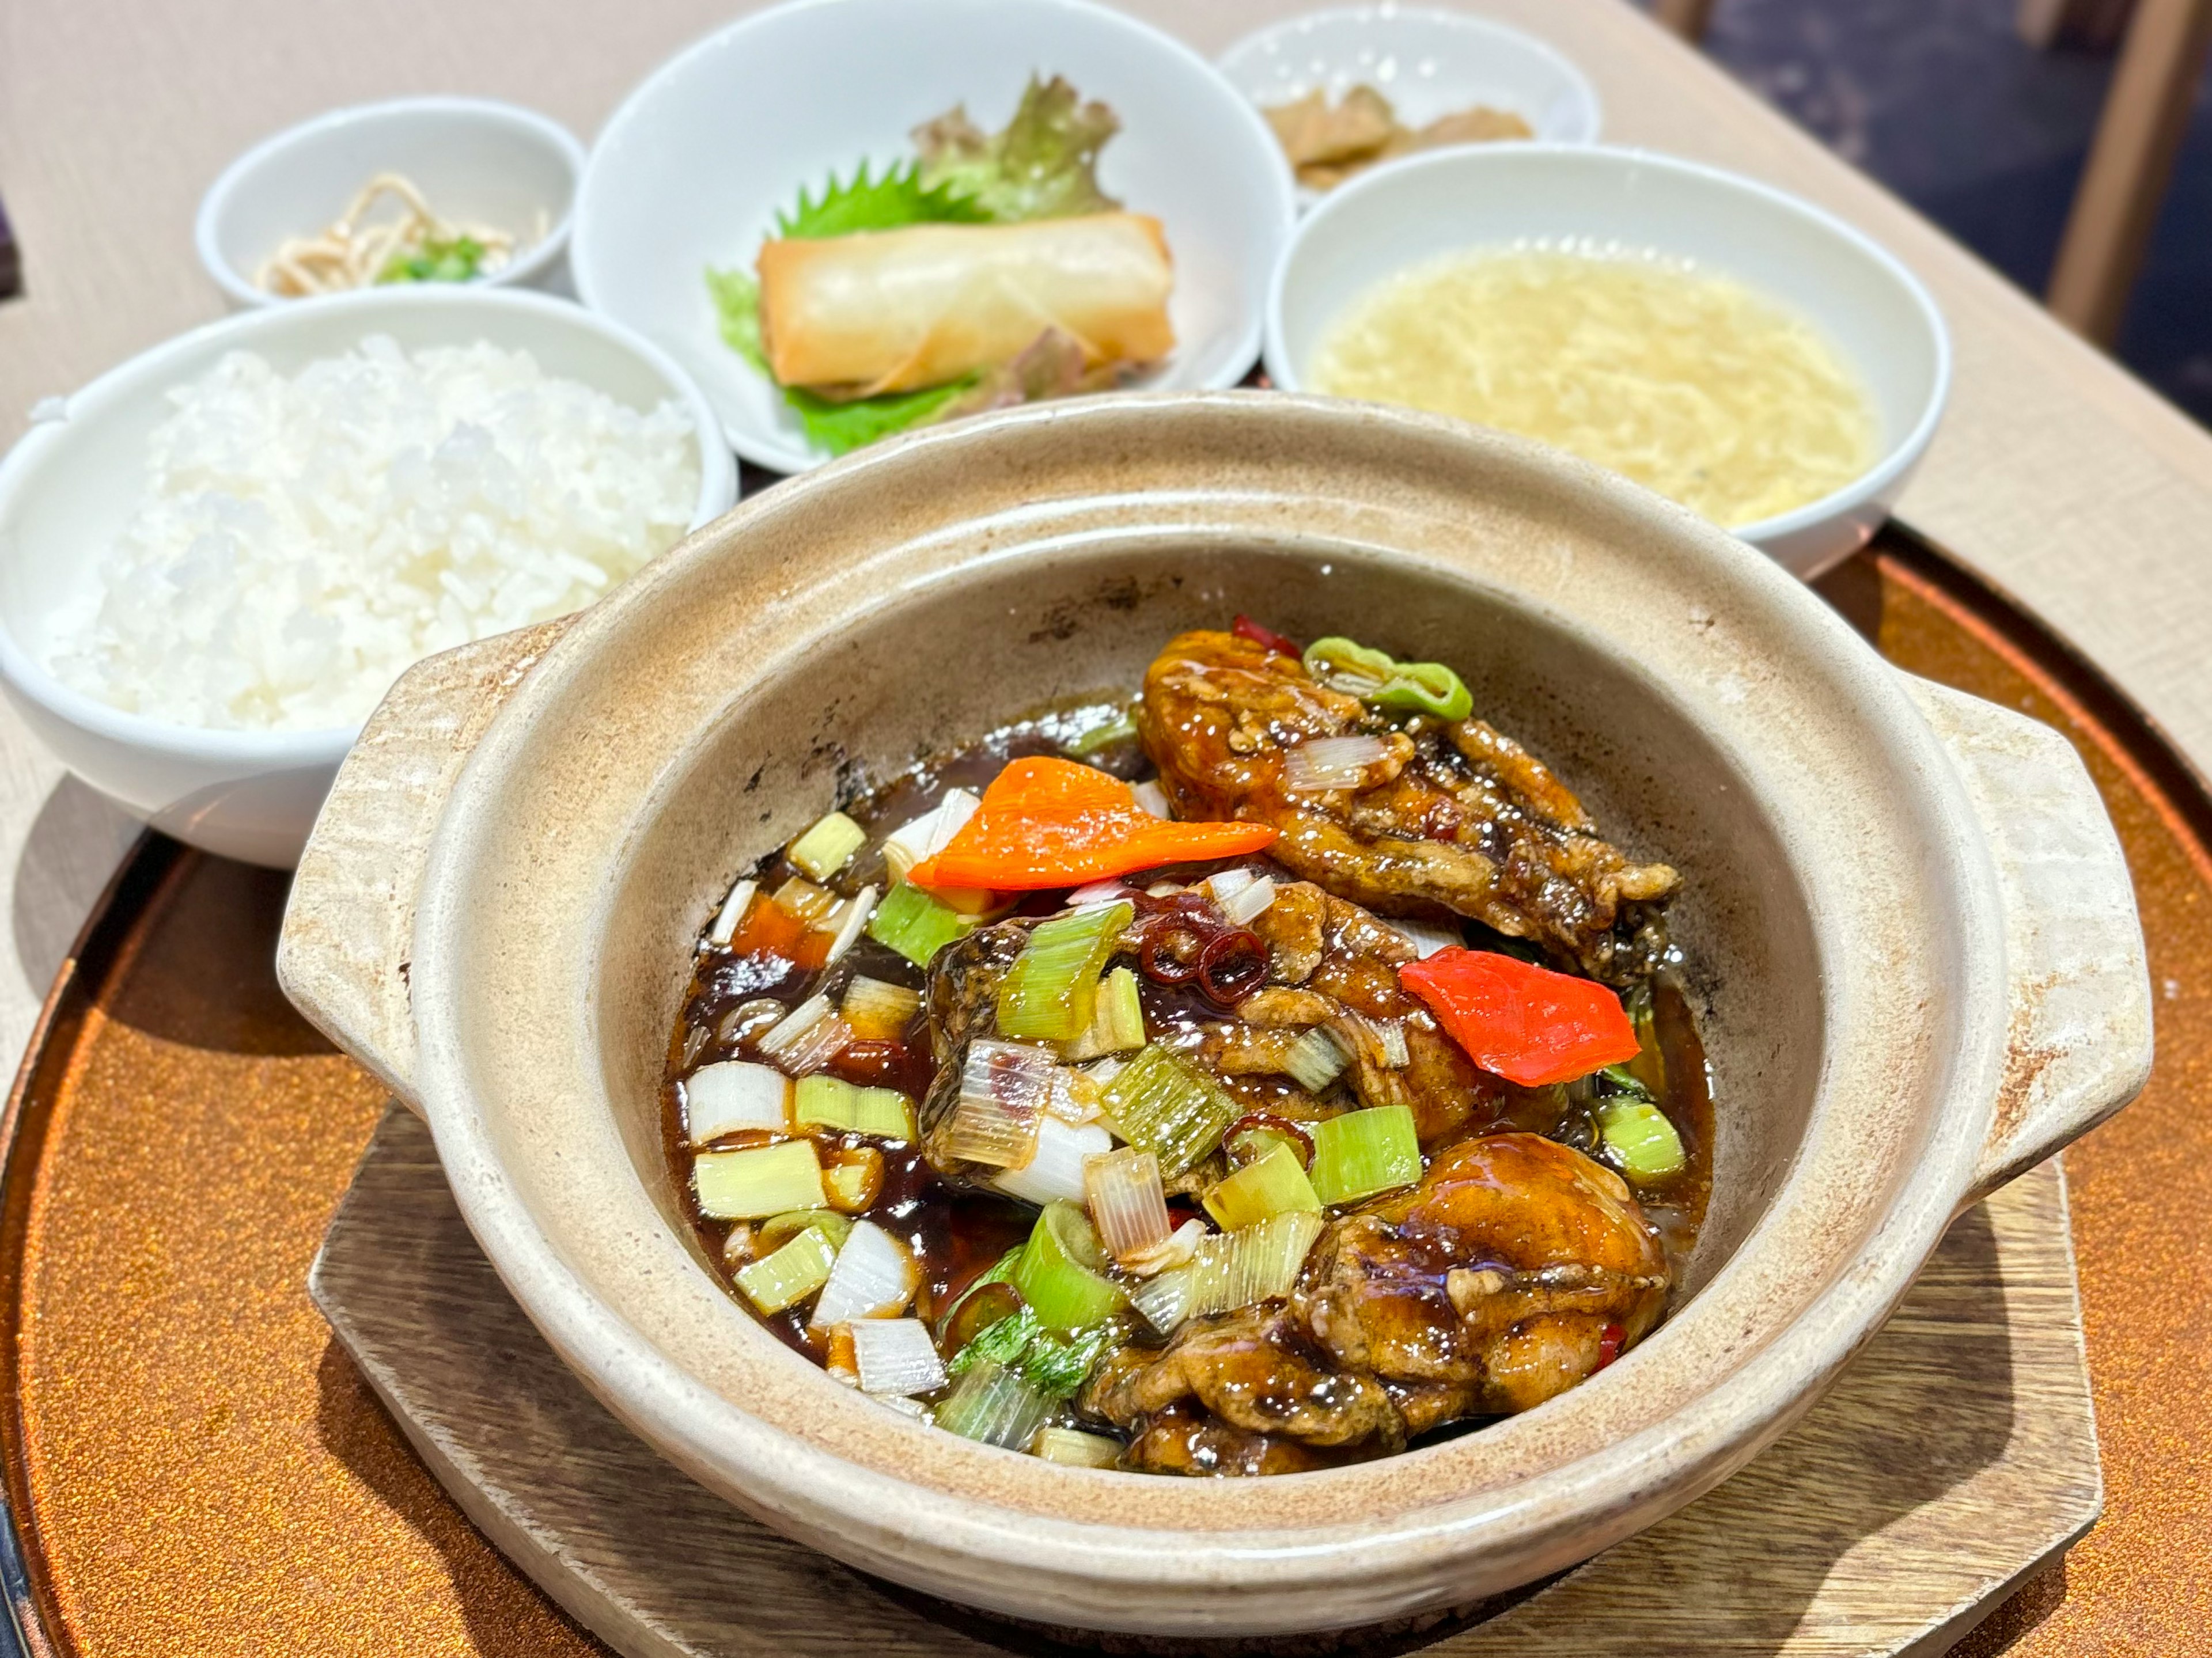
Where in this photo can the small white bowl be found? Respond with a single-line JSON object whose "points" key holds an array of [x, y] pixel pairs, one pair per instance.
{"points": [[67, 488], [1428, 63], [1870, 307], [694, 167], [476, 161]]}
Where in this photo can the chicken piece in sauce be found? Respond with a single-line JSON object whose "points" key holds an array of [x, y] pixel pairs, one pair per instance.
{"points": [[1451, 815], [1514, 1269]]}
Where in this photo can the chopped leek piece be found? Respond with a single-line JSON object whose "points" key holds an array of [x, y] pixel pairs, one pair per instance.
{"points": [[1050, 990], [793, 1026], [1117, 1019], [828, 847], [1170, 1109], [1120, 729], [1054, 1364], [1073, 1448], [791, 1274], [1258, 1262], [879, 1013], [1425, 939], [803, 900], [915, 925], [854, 1181], [1274, 1184], [1250, 901], [831, 1103], [1362, 1152], [925, 836], [764, 1180], [996, 1406], [779, 1229], [1059, 1274], [1638, 1140], [721, 1099], [896, 1355], [1317, 1060], [1006, 1089], [1128, 1204], [732, 912], [875, 1277], [1152, 798], [1054, 1173], [852, 918]]}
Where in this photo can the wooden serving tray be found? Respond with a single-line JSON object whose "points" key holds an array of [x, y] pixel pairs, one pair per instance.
{"points": [[193, 1465]]}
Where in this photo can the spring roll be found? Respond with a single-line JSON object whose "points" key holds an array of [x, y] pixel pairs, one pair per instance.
{"points": [[893, 310]]}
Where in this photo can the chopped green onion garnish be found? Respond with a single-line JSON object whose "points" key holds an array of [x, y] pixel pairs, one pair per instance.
{"points": [[993, 1405], [791, 1274], [1117, 1019], [1075, 1449], [1050, 992], [1362, 1152], [1060, 1274], [779, 1229], [828, 847], [1232, 1270], [831, 1103], [1274, 1184], [763, 1179], [1317, 1060], [1638, 1140], [1170, 1109], [1120, 729], [915, 925]]}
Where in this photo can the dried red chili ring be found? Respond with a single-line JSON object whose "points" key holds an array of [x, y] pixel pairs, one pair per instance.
{"points": [[1172, 953], [1609, 1342], [1232, 967], [1267, 637]]}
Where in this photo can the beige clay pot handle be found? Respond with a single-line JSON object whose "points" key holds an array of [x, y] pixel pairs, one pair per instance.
{"points": [[2079, 1042], [350, 925]]}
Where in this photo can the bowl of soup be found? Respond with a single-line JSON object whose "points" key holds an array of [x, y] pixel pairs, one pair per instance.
{"points": [[1303, 741], [1732, 347]]}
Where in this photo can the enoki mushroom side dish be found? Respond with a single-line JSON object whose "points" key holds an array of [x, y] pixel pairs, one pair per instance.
{"points": [[1273, 1072], [354, 250]]}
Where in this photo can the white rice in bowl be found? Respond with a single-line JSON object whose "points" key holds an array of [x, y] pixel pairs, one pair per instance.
{"points": [[302, 539]]}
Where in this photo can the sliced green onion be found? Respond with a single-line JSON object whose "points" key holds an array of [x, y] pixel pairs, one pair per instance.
{"points": [[1316, 1060], [994, 1405], [791, 1274], [1128, 1204], [761, 1181], [1060, 1274], [1005, 1089], [1362, 1152], [916, 926], [1274, 1184], [1638, 1140], [804, 902], [1073, 1448], [1120, 729], [1259, 1262], [924, 837], [828, 847], [1117, 1019], [1170, 1109], [779, 1229], [896, 1355], [875, 1277], [879, 1012], [831, 1103], [1050, 992], [1054, 1171], [1054, 1364], [721, 1099]]}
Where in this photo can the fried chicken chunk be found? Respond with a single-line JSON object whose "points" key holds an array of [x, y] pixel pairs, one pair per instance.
{"points": [[1514, 1269], [1450, 815]]}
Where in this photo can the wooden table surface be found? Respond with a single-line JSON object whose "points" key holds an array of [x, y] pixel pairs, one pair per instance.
{"points": [[2056, 474]]}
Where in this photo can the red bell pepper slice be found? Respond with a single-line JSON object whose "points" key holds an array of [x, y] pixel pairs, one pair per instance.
{"points": [[1049, 823], [1528, 1024], [1264, 636]]}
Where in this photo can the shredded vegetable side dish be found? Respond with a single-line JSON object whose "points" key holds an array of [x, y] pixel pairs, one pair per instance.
{"points": [[387, 234], [1271, 1071]]}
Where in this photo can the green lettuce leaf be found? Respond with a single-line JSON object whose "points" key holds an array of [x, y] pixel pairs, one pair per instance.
{"points": [[736, 294], [1043, 166], [840, 428]]}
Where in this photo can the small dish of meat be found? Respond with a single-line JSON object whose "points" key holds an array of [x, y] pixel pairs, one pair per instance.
{"points": [[1271, 1072]]}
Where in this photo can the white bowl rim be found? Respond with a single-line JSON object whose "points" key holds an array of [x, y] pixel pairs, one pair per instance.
{"points": [[1468, 22], [791, 457], [1899, 457], [128, 378], [534, 262]]}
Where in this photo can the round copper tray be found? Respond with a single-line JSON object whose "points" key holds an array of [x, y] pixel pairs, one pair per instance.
{"points": [[193, 1465]]}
